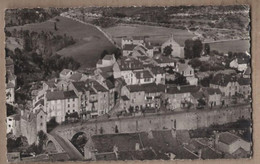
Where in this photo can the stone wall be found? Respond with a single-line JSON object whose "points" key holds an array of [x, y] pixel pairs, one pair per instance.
{"points": [[184, 121]]}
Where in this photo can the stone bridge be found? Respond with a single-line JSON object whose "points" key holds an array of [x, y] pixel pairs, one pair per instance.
{"points": [[178, 121]]}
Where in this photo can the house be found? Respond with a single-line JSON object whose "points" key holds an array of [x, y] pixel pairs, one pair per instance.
{"points": [[31, 123], [245, 87], [143, 77], [128, 49], [159, 74], [247, 73], [211, 96], [125, 68], [77, 76], [240, 64], [177, 49], [59, 103], [125, 103], [229, 143], [164, 61], [177, 97], [136, 95], [184, 69], [153, 93], [66, 73], [227, 84], [111, 145], [13, 124], [10, 87], [108, 60], [111, 93]]}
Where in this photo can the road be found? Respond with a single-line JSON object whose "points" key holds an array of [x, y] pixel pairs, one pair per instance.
{"points": [[68, 147]]}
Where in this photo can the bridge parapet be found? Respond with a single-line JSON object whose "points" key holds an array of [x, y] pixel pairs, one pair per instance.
{"points": [[56, 144]]}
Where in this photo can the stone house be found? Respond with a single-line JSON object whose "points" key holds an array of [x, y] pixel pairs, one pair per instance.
{"points": [[125, 68], [177, 49], [66, 73], [59, 103], [245, 87], [227, 84], [13, 124], [164, 61], [229, 143], [159, 74], [143, 77], [177, 97], [108, 60], [240, 64]]}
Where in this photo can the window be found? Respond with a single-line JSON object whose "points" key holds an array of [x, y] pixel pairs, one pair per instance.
{"points": [[68, 105], [73, 99], [73, 105], [41, 117], [41, 124], [68, 100], [9, 126], [73, 110], [68, 111]]}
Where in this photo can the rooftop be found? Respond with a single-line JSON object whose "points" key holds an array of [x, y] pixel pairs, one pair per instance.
{"points": [[228, 138], [60, 95]]}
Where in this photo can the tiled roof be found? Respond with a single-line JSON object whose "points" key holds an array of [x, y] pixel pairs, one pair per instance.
{"points": [[227, 138], [208, 153], [212, 91], [146, 154], [130, 64], [129, 47], [244, 81], [147, 88], [164, 59], [248, 71], [143, 74], [65, 71], [9, 61], [106, 69], [223, 80], [157, 70], [40, 102], [182, 67], [109, 84], [60, 95], [10, 85], [108, 57], [76, 76], [99, 87], [81, 86], [182, 89], [123, 141], [125, 98]]}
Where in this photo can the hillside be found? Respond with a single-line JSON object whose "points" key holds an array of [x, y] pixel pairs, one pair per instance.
{"points": [[90, 42]]}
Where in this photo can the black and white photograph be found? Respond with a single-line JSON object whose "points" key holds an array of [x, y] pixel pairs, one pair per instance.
{"points": [[128, 83]]}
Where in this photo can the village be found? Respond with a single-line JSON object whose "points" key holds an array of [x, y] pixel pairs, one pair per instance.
{"points": [[136, 84], [147, 84]]}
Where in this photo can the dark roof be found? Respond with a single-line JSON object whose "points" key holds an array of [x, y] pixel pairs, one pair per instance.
{"points": [[244, 81], [108, 57], [16, 116], [138, 37], [147, 88], [41, 101], [123, 141], [130, 64], [109, 84], [76, 76], [248, 71], [146, 154], [81, 86], [129, 47], [182, 89], [227, 138], [157, 70], [223, 79], [143, 74], [208, 153], [125, 98], [65, 71], [9, 61], [60, 95], [212, 91], [183, 136], [164, 59], [243, 60], [106, 69], [99, 87], [51, 83]]}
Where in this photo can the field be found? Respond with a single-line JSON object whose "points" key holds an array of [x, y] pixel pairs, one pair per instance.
{"points": [[233, 46], [156, 34], [90, 42]]}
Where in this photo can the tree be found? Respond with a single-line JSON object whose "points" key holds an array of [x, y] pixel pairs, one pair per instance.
{"points": [[188, 49], [167, 50], [207, 49], [103, 54], [195, 63], [197, 48]]}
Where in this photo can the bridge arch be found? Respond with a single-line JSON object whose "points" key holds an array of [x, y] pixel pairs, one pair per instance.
{"points": [[79, 140]]}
